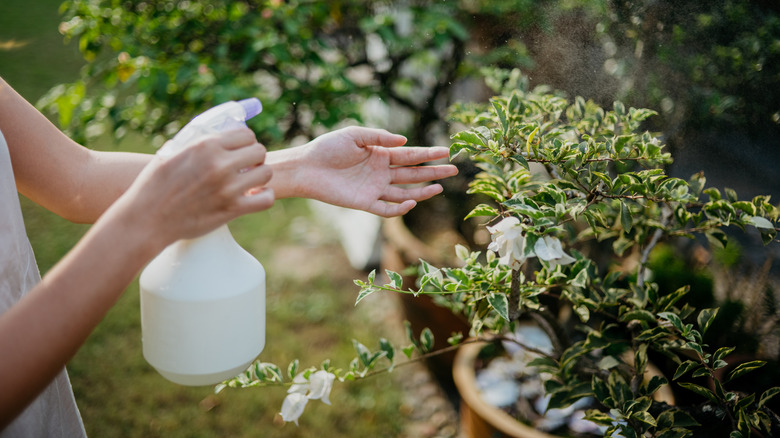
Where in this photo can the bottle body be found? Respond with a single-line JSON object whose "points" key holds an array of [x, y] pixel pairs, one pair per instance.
{"points": [[203, 309]]}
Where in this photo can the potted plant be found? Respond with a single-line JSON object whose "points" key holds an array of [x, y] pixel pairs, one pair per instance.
{"points": [[571, 244]]}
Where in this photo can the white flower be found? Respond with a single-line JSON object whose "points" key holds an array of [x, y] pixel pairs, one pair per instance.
{"points": [[293, 406], [300, 385], [508, 242], [549, 249], [317, 386], [321, 384]]}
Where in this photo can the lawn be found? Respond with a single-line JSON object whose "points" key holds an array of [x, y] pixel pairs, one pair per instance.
{"points": [[309, 291]]}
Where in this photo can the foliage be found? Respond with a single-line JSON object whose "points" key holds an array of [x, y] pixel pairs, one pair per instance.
{"points": [[592, 179], [152, 64]]}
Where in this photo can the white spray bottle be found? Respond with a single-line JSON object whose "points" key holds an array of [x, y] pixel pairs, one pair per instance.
{"points": [[203, 299]]}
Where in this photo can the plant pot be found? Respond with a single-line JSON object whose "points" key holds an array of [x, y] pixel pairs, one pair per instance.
{"points": [[479, 419]]}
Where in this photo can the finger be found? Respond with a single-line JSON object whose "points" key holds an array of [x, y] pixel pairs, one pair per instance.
{"points": [[414, 175], [247, 157], [235, 138], [399, 194], [386, 209], [251, 179], [374, 137], [258, 200], [410, 155]]}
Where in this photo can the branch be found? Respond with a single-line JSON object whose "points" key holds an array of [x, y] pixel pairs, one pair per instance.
{"points": [[666, 215]]}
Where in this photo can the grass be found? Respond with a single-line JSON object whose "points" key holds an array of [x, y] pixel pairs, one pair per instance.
{"points": [[310, 296]]}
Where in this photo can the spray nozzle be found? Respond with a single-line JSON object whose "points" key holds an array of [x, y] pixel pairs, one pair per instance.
{"points": [[229, 115], [252, 107]]}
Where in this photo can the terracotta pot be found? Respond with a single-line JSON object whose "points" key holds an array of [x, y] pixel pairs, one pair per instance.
{"points": [[477, 418], [481, 420]]}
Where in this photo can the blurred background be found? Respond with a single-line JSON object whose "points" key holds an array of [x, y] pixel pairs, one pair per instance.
{"points": [[126, 75]]}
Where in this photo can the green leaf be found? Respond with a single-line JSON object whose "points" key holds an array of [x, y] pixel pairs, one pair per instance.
{"points": [[292, 369], [500, 303], [599, 417], [621, 142], [760, 222], [674, 418], [364, 354], [470, 138], [767, 395], [608, 362], [640, 314], [408, 351], [684, 368], [364, 292], [705, 319], [426, 340], [745, 368], [520, 160], [483, 210], [388, 348], [717, 238], [674, 433], [625, 217], [655, 383], [582, 312], [700, 390], [410, 334], [501, 113], [745, 402], [396, 281], [619, 108], [644, 417], [667, 301], [455, 339], [721, 353], [672, 318]]}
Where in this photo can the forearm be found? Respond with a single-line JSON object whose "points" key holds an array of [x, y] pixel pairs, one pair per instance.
{"points": [[40, 334], [289, 178], [107, 175], [56, 172]]}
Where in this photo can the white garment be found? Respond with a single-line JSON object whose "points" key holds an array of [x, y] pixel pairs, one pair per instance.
{"points": [[54, 412]]}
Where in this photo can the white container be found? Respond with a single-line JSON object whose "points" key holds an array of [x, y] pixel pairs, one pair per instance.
{"points": [[203, 299]]}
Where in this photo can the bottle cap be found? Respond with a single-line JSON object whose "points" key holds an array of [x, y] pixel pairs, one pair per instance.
{"points": [[252, 107]]}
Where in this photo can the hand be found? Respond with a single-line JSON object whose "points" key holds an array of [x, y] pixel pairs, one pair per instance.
{"points": [[362, 168], [203, 186]]}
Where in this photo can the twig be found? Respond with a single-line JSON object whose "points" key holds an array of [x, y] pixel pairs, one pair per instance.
{"points": [[666, 215]]}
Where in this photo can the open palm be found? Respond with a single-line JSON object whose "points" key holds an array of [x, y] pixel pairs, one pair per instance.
{"points": [[366, 169]]}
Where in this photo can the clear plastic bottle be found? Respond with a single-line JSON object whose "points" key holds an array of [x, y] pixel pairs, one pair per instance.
{"points": [[203, 299]]}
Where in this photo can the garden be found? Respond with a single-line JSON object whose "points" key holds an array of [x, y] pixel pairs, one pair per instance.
{"points": [[603, 265]]}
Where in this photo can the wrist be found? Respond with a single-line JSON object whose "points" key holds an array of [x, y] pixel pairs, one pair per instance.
{"points": [[134, 232], [289, 173]]}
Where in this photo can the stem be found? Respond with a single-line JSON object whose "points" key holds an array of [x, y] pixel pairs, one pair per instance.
{"points": [[640, 276], [514, 296], [552, 327]]}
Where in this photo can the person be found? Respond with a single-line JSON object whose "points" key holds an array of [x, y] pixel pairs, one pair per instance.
{"points": [[139, 204]]}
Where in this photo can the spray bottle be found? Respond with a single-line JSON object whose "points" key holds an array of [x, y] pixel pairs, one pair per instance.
{"points": [[203, 299]]}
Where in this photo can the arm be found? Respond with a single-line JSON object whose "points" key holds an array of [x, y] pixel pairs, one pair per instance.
{"points": [[183, 196], [354, 167], [56, 172], [359, 168]]}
